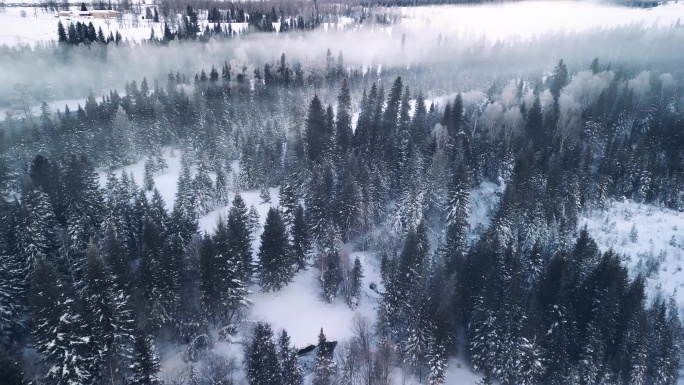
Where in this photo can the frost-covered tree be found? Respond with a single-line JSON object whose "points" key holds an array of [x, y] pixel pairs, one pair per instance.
{"points": [[261, 357], [276, 267], [145, 364], [301, 243], [324, 371], [108, 317], [221, 188], [148, 179], [203, 190], [60, 333], [292, 373], [240, 244], [331, 275]]}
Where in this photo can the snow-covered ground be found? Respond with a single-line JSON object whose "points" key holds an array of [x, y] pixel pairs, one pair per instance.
{"points": [[299, 307], [38, 25], [650, 238], [529, 19]]}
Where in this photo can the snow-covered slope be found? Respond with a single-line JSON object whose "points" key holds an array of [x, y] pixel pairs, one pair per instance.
{"points": [[650, 238]]}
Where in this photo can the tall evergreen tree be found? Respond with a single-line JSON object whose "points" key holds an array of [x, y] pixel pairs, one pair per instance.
{"points": [[276, 267], [301, 243], [145, 365], [59, 332], [262, 364], [324, 371]]}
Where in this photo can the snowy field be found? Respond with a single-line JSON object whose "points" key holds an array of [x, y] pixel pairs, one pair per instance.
{"points": [[530, 19], [651, 240]]}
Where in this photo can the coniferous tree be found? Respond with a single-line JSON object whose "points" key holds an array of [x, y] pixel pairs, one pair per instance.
{"points": [[38, 238], [332, 275], [288, 202], [343, 128], [324, 371], [60, 334], [203, 190], [221, 188], [317, 139], [145, 365], [276, 267], [301, 243], [240, 244], [148, 181], [353, 292], [292, 373], [109, 319], [61, 33], [262, 364]]}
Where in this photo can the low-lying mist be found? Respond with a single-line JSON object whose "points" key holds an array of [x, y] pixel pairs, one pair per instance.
{"points": [[442, 59]]}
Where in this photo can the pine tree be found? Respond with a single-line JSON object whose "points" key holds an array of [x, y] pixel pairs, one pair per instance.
{"points": [[109, 318], [148, 181], [240, 244], [343, 129], [221, 188], [292, 373], [332, 276], [203, 190], [253, 222], [324, 371], [275, 259], [317, 139], [353, 294], [437, 365], [145, 365], [60, 333], [61, 33], [348, 206], [38, 238], [11, 294], [288, 202], [301, 244], [262, 364], [459, 210]]}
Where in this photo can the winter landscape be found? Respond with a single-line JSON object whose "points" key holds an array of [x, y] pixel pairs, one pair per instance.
{"points": [[341, 192]]}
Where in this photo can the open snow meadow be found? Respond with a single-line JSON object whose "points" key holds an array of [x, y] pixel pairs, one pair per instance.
{"points": [[287, 192]]}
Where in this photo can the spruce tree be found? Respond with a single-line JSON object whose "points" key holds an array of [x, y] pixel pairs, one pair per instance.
{"points": [[148, 180], [240, 245], [301, 243], [317, 142], [60, 334], [332, 276], [262, 364], [221, 188], [145, 365], [275, 268], [292, 373], [109, 318], [288, 202], [343, 129], [324, 371]]}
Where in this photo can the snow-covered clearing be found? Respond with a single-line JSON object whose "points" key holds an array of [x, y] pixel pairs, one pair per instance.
{"points": [[299, 307], [650, 239], [530, 19]]}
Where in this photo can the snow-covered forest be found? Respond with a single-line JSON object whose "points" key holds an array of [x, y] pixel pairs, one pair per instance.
{"points": [[354, 194]]}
